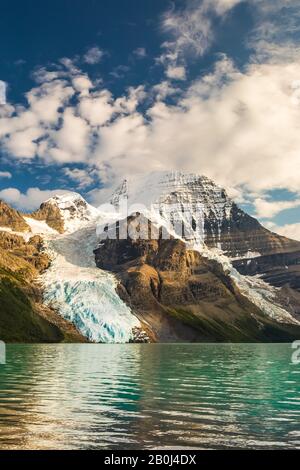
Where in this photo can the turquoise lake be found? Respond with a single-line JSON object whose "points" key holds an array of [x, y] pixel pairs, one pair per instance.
{"points": [[179, 396]]}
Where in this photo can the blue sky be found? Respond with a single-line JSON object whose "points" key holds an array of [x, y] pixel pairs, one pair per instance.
{"points": [[97, 90]]}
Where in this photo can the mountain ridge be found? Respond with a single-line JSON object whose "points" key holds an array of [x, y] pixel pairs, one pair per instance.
{"points": [[215, 230]]}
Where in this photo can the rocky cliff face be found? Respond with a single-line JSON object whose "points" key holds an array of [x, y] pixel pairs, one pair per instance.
{"points": [[281, 270], [12, 219], [213, 221], [180, 295], [50, 213]]}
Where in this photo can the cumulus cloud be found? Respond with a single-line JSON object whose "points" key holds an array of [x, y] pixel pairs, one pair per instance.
{"points": [[176, 73], [240, 128], [82, 84], [97, 108], [71, 141], [93, 55], [30, 200], [164, 89]]}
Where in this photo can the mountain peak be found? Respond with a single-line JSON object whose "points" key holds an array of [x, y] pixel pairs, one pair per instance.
{"points": [[65, 198], [66, 212], [200, 211], [148, 189]]}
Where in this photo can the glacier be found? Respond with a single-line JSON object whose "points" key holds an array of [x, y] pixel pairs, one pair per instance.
{"points": [[82, 293]]}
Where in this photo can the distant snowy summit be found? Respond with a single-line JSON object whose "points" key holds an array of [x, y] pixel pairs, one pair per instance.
{"points": [[199, 211]]}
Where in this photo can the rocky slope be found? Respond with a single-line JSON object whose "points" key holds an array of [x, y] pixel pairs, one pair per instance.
{"points": [[179, 295], [23, 315], [11, 218], [281, 270]]}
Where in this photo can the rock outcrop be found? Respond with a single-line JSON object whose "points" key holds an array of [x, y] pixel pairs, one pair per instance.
{"points": [[179, 295], [23, 316], [51, 214], [12, 218]]}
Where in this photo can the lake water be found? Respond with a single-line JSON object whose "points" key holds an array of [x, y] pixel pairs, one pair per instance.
{"points": [[149, 396]]}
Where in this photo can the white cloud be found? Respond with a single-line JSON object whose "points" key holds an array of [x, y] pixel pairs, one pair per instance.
{"points": [[222, 6], [129, 103], [5, 174], [98, 108], [83, 178], [241, 128], [22, 143], [93, 56], [140, 52], [164, 89], [276, 32], [190, 29], [176, 73], [71, 142], [45, 100], [30, 200], [288, 230], [82, 84], [268, 209]]}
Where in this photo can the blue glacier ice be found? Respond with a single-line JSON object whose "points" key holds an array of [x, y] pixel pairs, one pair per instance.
{"points": [[84, 294]]}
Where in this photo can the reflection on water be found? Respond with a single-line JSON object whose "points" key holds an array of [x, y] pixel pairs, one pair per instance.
{"points": [[149, 396]]}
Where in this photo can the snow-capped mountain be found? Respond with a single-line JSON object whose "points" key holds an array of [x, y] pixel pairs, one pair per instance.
{"points": [[209, 217], [209, 270], [67, 212], [185, 294]]}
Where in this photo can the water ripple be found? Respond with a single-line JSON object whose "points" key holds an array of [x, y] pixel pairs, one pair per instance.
{"points": [[149, 396]]}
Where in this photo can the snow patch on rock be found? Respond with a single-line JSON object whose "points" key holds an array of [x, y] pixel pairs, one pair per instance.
{"points": [[74, 210]]}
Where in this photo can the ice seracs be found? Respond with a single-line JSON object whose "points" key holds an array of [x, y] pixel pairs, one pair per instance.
{"points": [[84, 294]]}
